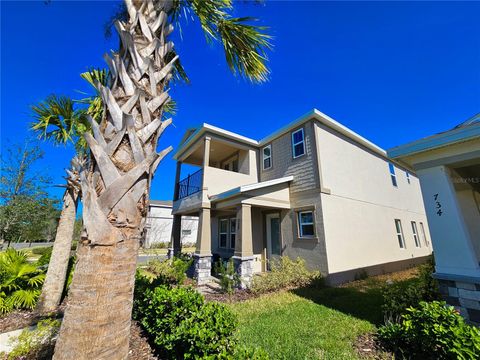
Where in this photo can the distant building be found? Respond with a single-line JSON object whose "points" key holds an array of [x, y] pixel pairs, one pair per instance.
{"points": [[160, 221], [448, 165]]}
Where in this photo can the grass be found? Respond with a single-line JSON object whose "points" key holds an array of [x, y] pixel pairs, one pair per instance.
{"points": [[162, 251], [314, 323]]}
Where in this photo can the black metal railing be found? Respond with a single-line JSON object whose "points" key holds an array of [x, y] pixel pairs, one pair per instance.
{"points": [[190, 185]]}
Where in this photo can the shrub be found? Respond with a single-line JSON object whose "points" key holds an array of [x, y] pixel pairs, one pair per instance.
{"points": [[285, 273], [168, 271], [183, 326], [399, 296], [38, 343], [228, 277], [432, 331], [45, 257], [159, 245], [20, 281], [41, 250]]}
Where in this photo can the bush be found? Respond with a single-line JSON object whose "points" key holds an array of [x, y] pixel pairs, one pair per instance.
{"points": [[183, 326], [20, 281], [160, 245], [168, 271], [432, 331], [38, 343], [42, 250], [285, 273], [229, 279], [399, 296], [45, 258]]}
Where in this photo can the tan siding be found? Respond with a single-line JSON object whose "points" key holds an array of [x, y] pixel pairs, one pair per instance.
{"points": [[303, 168]]}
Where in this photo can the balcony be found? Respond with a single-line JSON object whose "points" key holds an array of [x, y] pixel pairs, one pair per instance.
{"points": [[190, 185]]}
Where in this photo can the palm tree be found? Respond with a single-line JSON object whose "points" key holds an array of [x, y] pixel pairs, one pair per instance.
{"points": [[58, 119], [115, 182]]}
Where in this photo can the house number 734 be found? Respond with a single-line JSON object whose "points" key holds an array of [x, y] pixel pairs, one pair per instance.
{"points": [[438, 205]]}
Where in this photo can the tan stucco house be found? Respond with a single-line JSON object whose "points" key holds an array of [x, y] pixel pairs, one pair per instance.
{"points": [[448, 165], [313, 189]]}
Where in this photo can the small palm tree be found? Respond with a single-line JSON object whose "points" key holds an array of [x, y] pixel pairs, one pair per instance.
{"points": [[61, 120], [124, 158], [20, 281]]}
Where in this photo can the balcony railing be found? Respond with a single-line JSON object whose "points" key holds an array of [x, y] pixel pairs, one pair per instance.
{"points": [[190, 185]]}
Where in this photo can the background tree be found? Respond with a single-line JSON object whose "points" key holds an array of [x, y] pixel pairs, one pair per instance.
{"points": [[26, 210], [115, 183]]}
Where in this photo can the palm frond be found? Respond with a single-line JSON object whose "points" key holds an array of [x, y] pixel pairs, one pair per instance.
{"points": [[25, 299]]}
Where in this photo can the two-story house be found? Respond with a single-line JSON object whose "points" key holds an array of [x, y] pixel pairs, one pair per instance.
{"points": [[313, 189]]}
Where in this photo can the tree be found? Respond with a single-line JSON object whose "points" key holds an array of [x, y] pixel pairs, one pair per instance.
{"points": [[57, 119], [61, 120], [26, 209], [115, 182]]}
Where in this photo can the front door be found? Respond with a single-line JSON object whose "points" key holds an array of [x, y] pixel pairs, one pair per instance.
{"points": [[274, 243]]}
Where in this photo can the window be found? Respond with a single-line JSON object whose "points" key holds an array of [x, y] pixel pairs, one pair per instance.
{"points": [[233, 232], [231, 164], [227, 233], [186, 232], [305, 224], [392, 174], [415, 234], [298, 143], [408, 176], [267, 157], [424, 236], [223, 233], [401, 240]]}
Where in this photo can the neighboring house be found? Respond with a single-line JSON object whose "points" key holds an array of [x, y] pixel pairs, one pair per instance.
{"points": [[159, 225], [448, 165], [313, 189]]}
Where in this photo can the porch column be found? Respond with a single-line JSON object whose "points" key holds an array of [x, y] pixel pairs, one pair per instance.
{"points": [[206, 151], [243, 258], [175, 247], [203, 251]]}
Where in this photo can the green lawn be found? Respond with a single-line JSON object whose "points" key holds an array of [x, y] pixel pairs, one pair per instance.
{"points": [[312, 323]]}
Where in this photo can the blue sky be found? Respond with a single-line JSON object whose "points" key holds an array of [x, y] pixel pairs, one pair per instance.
{"points": [[391, 71]]}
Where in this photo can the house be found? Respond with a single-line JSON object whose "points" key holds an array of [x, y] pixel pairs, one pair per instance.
{"points": [[159, 225], [313, 189], [448, 165]]}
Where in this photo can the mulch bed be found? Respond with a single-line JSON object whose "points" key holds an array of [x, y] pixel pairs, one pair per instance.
{"points": [[140, 348], [367, 347]]}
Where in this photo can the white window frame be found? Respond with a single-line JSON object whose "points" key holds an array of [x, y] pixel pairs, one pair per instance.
{"points": [[297, 143], [266, 157], [415, 234], [230, 233], [220, 233], [400, 237], [299, 220], [393, 176], [424, 235]]}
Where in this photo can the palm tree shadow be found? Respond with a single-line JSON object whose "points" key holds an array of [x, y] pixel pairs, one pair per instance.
{"points": [[365, 304]]}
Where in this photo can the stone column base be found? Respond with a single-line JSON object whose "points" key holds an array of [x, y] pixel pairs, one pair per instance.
{"points": [[244, 268], [463, 293], [202, 265]]}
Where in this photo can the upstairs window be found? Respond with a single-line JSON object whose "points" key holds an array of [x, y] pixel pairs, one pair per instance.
{"points": [[415, 234], [401, 239], [305, 224], [267, 157], [408, 176], [298, 143], [392, 174]]}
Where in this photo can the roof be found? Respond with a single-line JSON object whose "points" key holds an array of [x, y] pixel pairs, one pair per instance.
{"points": [[313, 114], [245, 188], [164, 203], [465, 131]]}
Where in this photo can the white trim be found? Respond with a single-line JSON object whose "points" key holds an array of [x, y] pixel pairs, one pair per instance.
{"points": [[300, 230], [245, 188], [416, 237], [393, 175], [402, 236], [436, 141], [298, 143], [268, 157]]}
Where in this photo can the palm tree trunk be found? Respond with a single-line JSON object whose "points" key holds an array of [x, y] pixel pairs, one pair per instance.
{"points": [[57, 269], [96, 324]]}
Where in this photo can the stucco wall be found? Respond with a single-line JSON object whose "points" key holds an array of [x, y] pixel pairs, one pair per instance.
{"points": [[283, 164], [218, 180], [359, 214]]}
